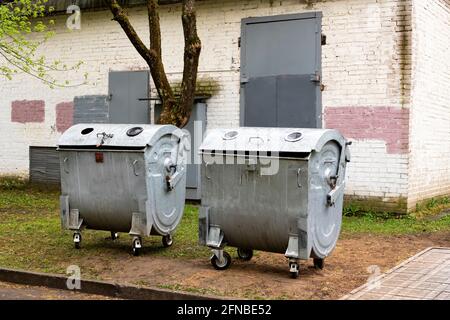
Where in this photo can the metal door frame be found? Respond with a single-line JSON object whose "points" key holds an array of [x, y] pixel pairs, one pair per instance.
{"points": [[317, 15]]}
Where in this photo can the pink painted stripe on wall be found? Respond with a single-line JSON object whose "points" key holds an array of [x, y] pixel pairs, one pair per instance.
{"points": [[372, 123], [64, 116], [26, 111]]}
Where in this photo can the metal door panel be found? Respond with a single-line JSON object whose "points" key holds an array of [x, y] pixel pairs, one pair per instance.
{"points": [[260, 96], [129, 91], [287, 50], [267, 43], [296, 98]]}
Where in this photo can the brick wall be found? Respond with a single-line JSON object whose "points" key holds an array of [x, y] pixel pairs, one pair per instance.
{"points": [[27, 111], [64, 116], [365, 65], [429, 169], [91, 109], [387, 124]]}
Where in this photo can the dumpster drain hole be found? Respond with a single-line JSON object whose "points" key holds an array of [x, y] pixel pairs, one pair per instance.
{"points": [[87, 131], [230, 135], [294, 137], [133, 132]]}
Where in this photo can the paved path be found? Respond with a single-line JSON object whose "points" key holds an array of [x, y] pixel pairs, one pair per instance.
{"points": [[425, 276], [18, 292]]}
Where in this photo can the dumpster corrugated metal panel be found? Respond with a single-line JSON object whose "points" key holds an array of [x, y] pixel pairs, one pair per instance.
{"points": [[123, 178], [287, 201]]}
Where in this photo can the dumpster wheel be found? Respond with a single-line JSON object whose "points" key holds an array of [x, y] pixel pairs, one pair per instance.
{"points": [[167, 241], [114, 235], [77, 240], [319, 264], [294, 269], [137, 245], [221, 265], [245, 254]]}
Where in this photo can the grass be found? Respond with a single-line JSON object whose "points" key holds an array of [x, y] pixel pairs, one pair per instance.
{"points": [[430, 216], [399, 226], [31, 237]]}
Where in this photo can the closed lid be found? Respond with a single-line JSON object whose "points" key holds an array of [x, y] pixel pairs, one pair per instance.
{"points": [[115, 135], [282, 140]]}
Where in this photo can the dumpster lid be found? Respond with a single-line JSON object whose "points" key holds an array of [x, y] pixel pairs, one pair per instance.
{"points": [[282, 140], [115, 135]]}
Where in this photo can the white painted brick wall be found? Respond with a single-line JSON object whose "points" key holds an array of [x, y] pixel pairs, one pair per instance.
{"points": [[362, 66], [430, 121], [373, 164]]}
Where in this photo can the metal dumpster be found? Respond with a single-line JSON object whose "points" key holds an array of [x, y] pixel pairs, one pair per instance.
{"points": [[123, 178], [272, 189]]}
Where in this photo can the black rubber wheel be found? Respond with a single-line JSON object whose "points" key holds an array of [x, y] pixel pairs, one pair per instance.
{"points": [[221, 265], [245, 254], [319, 264], [136, 251], [77, 244], [167, 241], [294, 274]]}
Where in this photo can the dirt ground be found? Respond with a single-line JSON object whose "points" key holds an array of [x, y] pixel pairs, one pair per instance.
{"points": [[267, 276], [19, 292]]}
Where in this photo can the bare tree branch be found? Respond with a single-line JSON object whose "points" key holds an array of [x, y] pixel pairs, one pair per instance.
{"points": [[122, 19], [175, 111]]}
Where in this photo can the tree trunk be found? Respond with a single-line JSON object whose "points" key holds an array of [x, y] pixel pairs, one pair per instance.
{"points": [[175, 110], [192, 49]]}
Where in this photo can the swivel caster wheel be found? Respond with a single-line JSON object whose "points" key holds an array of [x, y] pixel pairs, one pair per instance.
{"points": [[319, 264], [245, 254], [294, 270], [77, 240], [137, 246], [221, 264], [114, 235], [167, 241]]}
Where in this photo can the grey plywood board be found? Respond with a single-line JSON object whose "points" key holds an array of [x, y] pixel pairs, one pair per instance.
{"points": [[44, 165]]}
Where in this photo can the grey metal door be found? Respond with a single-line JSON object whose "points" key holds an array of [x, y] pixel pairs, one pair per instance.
{"points": [[129, 92], [196, 127], [281, 71]]}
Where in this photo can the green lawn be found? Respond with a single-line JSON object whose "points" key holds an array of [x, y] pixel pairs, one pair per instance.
{"points": [[31, 236], [403, 226]]}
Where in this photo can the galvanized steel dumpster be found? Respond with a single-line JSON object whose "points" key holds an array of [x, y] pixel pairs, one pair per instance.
{"points": [[272, 189], [123, 178]]}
